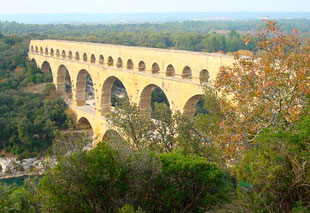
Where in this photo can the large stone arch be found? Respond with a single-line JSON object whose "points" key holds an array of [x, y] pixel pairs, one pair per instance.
{"points": [[111, 135], [190, 106], [34, 61], [80, 87], [46, 67], [84, 123], [146, 96], [105, 99], [61, 79]]}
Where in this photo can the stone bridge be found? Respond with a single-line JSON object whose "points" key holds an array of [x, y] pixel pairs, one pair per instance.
{"points": [[180, 75]]}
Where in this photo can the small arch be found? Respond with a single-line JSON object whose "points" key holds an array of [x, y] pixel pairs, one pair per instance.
{"points": [[170, 72], [37, 50], [129, 65], [191, 105], [110, 61], [187, 73], [70, 54], [32, 49], [77, 56], [147, 100], [57, 53], [119, 63], [46, 67], [84, 57], [155, 68], [101, 59], [63, 54], [92, 59], [84, 124], [52, 52], [204, 76], [46, 51], [141, 66], [41, 50]]}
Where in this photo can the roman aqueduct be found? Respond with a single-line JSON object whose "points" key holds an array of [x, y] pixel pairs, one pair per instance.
{"points": [[179, 74]]}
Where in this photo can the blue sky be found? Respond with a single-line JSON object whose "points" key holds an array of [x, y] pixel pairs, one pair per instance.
{"points": [[128, 6]]}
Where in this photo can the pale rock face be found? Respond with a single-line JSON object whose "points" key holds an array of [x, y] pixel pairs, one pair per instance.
{"points": [[10, 167], [27, 163], [5, 164]]}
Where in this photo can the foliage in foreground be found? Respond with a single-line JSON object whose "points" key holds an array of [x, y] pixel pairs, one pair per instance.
{"points": [[105, 179], [266, 90], [275, 176]]}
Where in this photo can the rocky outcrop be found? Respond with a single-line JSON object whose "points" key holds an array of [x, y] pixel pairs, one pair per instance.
{"points": [[11, 167]]}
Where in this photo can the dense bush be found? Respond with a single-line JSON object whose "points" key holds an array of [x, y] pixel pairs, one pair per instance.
{"points": [[275, 176], [105, 179], [186, 184], [28, 122]]}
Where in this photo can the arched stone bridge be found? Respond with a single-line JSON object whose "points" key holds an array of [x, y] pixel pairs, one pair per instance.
{"points": [[180, 74]]}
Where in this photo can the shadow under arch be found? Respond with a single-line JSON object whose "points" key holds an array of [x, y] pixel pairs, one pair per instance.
{"points": [[204, 76], [84, 124], [84, 88], [187, 73], [112, 135], [147, 99], [106, 94], [34, 62], [64, 81], [46, 67], [191, 105], [170, 71]]}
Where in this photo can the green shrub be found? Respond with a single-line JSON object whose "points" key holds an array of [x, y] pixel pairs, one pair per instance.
{"points": [[275, 176], [104, 179], [186, 184]]}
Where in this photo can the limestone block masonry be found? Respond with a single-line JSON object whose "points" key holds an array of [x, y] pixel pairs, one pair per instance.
{"points": [[180, 74]]}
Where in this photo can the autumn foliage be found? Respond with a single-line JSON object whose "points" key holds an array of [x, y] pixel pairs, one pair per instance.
{"points": [[265, 90]]}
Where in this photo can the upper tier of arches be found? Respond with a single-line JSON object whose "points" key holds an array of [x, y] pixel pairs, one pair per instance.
{"points": [[155, 68]]}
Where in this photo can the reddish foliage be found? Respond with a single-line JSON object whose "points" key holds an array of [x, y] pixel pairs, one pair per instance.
{"points": [[265, 90]]}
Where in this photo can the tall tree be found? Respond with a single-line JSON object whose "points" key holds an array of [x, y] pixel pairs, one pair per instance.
{"points": [[265, 90]]}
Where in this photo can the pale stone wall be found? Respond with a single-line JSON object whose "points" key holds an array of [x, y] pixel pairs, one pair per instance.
{"points": [[183, 90]]}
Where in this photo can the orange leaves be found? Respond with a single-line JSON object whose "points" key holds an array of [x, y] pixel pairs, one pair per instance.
{"points": [[265, 90]]}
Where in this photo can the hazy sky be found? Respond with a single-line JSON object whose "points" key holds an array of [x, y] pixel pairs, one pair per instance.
{"points": [[127, 6]]}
